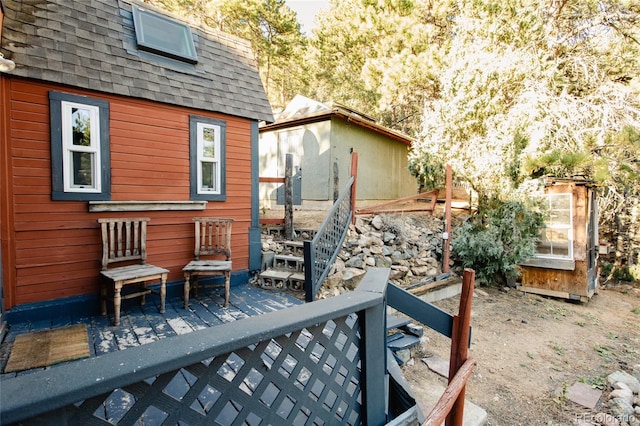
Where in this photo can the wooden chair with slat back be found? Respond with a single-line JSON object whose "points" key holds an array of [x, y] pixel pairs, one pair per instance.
{"points": [[124, 240], [212, 241]]}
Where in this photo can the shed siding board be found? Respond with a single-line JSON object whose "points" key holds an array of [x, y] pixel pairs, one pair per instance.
{"points": [[382, 162], [316, 161], [570, 282], [51, 249]]}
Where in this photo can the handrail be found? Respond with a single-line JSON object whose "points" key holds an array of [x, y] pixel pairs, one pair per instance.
{"points": [[443, 407], [380, 208], [321, 252]]}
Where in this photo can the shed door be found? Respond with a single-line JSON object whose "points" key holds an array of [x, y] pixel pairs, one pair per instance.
{"points": [[592, 243], [290, 142]]}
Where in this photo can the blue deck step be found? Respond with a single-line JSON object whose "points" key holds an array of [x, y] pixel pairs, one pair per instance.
{"points": [[402, 341], [396, 322]]}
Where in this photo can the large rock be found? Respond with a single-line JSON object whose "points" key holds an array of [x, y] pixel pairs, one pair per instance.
{"points": [[352, 276], [620, 408], [626, 378], [377, 222], [355, 262]]}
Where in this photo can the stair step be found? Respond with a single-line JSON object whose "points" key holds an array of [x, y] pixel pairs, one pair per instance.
{"points": [[296, 281], [293, 243], [296, 248], [396, 322], [403, 342], [274, 279], [293, 263]]}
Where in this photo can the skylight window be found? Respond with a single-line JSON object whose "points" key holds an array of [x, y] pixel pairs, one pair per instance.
{"points": [[163, 36]]}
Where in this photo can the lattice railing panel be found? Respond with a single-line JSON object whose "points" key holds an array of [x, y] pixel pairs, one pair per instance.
{"points": [[309, 377], [328, 240]]}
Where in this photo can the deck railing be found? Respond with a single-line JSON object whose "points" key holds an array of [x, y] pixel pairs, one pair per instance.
{"points": [[321, 362], [321, 252]]}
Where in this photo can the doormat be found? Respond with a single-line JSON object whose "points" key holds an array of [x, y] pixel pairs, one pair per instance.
{"points": [[48, 347]]}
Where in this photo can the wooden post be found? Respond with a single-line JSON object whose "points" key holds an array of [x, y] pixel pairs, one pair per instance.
{"points": [[372, 349], [354, 173], [460, 343], [288, 197], [446, 241]]}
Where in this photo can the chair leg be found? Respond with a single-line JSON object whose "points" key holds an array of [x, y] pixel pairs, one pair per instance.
{"points": [[163, 292], [227, 288], [103, 299], [187, 288], [117, 302]]}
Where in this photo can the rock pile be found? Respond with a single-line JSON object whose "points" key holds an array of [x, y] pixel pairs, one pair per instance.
{"points": [[624, 399], [409, 244]]}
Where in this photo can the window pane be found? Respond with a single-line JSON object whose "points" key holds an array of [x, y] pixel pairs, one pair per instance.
{"points": [[82, 169], [561, 242], [559, 217], [544, 245], [81, 122], [208, 142], [560, 202], [208, 176]]}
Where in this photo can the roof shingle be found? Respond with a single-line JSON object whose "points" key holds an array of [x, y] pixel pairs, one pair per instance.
{"points": [[94, 48]]}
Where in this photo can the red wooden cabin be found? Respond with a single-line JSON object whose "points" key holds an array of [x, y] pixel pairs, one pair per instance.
{"points": [[113, 109]]}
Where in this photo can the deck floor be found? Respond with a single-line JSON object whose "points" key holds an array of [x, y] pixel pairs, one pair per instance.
{"points": [[145, 324]]}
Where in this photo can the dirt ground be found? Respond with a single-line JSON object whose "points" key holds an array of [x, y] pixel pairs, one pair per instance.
{"points": [[530, 348]]}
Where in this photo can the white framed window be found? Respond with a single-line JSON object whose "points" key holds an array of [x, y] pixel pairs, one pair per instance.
{"points": [[81, 147], [207, 141], [80, 158], [556, 237], [208, 158]]}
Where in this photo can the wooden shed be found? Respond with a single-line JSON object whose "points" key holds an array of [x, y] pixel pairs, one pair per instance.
{"points": [[566, 260], [321, 137], [146, 88]]}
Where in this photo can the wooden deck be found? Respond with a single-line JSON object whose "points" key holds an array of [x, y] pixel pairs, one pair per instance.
{"points": [[144, 324]]}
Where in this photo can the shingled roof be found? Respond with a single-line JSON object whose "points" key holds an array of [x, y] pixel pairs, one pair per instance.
{"points": [[92, 45]]}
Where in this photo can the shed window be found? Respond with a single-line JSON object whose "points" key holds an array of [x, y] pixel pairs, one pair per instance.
{"points": [[556, 238], [207, 157], [79, 147], [163, 36]]}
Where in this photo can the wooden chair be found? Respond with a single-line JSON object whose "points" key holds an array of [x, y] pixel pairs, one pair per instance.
{"points": [[125, 240], [212, 239]]}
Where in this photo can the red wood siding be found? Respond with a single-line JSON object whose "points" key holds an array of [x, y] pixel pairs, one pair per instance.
{"points": [[51, 249]]}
